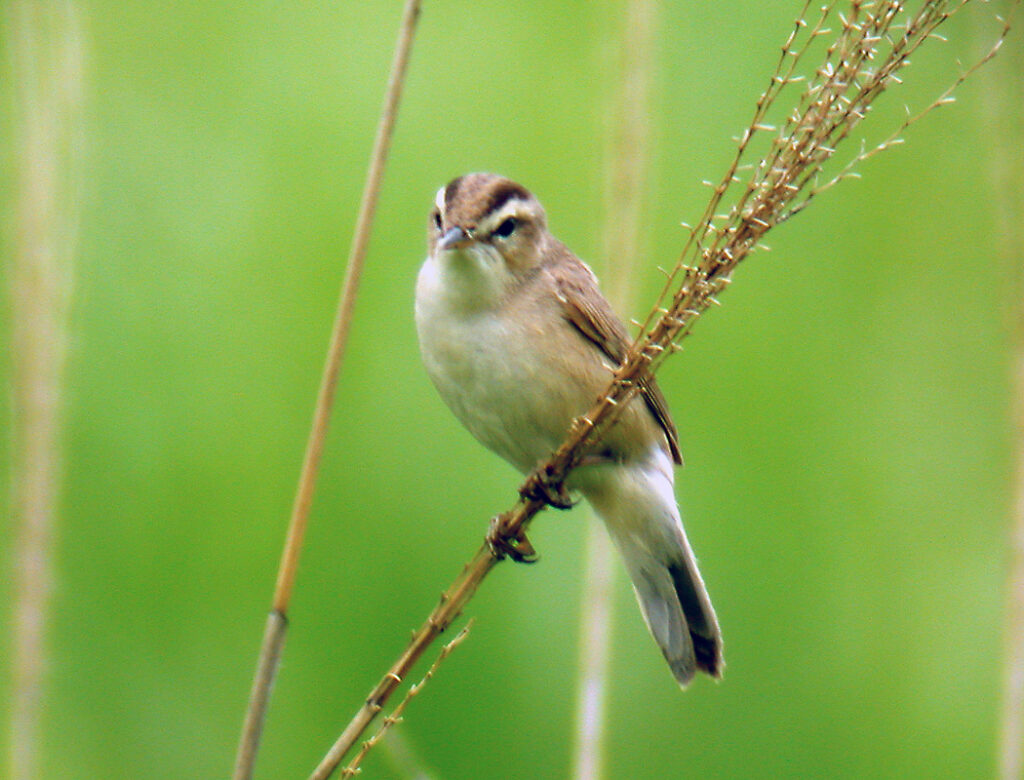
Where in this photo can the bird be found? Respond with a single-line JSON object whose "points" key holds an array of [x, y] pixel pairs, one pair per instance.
{"points": [[519, 341]]}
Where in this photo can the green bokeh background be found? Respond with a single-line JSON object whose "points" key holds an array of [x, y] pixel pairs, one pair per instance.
{"points": [[845, 414]]}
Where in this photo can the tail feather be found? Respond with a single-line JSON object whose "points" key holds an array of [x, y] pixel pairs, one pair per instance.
{"points": [[660, 608], [700, 616], [677, 610], [639, 508]]}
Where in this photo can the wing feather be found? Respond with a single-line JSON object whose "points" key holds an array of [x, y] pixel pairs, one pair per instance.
{"points": [[591, 314]]}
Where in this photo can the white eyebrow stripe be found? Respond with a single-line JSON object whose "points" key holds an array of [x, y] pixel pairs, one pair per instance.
{"points": [[439, 200], [514, 207]]}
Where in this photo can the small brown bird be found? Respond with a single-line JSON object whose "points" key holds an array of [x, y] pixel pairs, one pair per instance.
{"points": [[519, 341]]}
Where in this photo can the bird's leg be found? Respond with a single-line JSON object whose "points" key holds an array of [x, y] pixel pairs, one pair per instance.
{"points": [[504, 543]]}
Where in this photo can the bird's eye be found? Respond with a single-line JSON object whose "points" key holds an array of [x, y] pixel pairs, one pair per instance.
{"points": [[436, 216], [505, 229]]}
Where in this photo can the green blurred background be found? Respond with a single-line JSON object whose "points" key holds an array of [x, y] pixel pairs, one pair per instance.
{"points": [[845, 415]]}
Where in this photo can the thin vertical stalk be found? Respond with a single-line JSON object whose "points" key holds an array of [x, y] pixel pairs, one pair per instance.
{"points": [[1011, 765], [277, 620], [628, 165], [1002, 102], [44, 40], [595, 653]]}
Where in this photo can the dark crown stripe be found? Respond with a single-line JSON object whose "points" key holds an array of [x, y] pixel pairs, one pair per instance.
{"points": [[503, 193], [450, 190]]}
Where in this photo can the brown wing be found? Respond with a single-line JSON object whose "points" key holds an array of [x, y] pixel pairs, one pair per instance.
{"points": [[587, 309]]}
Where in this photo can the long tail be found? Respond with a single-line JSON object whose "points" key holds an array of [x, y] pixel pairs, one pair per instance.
{"points": [[638, 505]]}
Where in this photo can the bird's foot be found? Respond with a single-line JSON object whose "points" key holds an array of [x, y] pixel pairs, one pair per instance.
{"points": [[507, 544], [539, 486]]}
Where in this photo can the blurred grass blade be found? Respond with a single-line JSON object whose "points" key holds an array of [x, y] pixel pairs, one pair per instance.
{"points": [[44, 41], [1001, 103], [627, 179]]}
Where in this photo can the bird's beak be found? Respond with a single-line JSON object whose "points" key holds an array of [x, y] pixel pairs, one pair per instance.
{"points": [[453, 238]]}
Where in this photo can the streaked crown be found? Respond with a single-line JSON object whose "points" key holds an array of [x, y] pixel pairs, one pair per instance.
{"points": [[491, 212]]}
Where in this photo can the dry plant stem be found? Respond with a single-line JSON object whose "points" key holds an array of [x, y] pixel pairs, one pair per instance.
{"points": [[396, 716], [868, 51], [449, 608], [277, 622], [778, 186], [628, 176], [44, 42]]}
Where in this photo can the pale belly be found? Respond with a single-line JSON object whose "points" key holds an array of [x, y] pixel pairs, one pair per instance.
{"points": [[498, 381]]}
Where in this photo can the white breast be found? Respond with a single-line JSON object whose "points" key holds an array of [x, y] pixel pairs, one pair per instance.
{"points": [[484, 364]]}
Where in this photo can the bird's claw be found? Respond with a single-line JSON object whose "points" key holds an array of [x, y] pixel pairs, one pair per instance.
{"points": [[510, 545], [539, 487]]}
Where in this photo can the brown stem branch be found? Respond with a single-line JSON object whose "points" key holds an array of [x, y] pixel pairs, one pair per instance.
{"points": [[277, 623], [447, 610], [396, 716]]}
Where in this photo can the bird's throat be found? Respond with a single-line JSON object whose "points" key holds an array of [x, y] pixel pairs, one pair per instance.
{"points": [[470, 279]]}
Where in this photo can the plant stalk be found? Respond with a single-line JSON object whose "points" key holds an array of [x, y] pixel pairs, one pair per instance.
{"points": [[277, 622]]}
